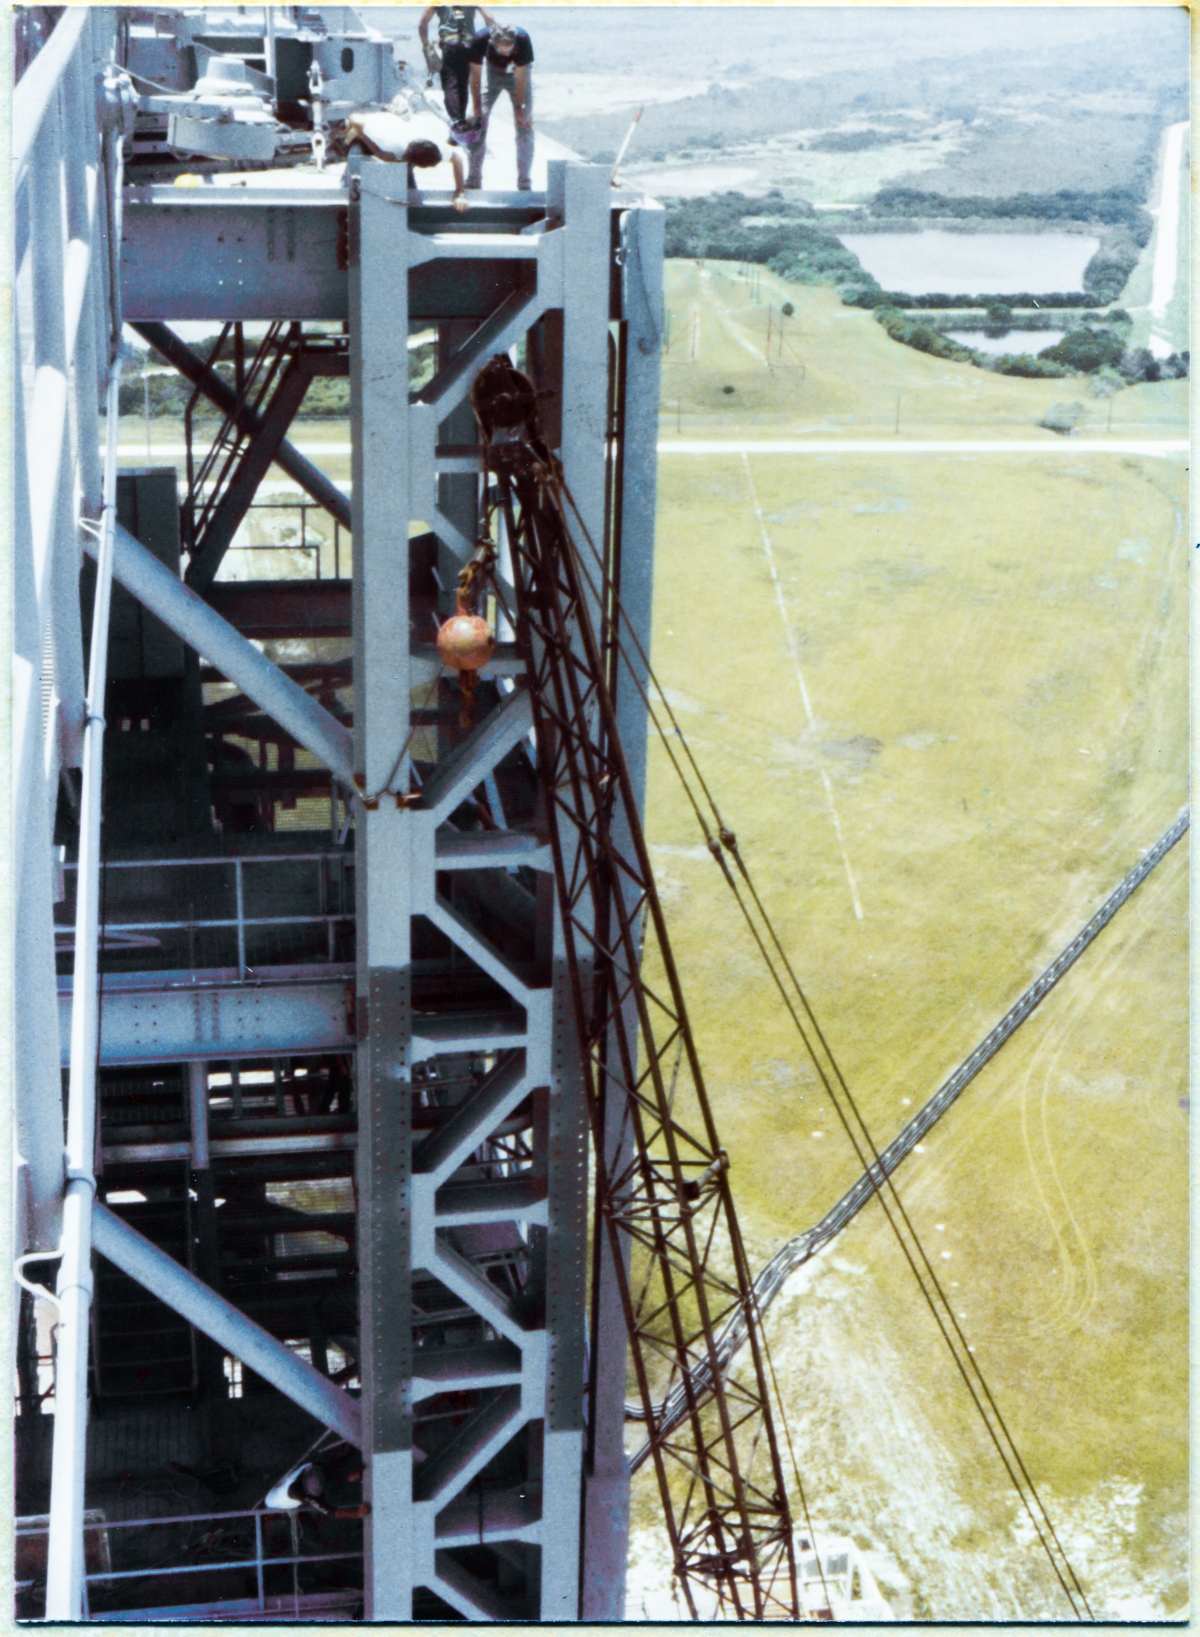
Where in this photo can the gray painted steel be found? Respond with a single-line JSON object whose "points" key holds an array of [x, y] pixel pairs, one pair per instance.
{"points": [[192, 1022], [407, 1211], [202, 628], [378, 292], [257, 1348], [283, 253], [220, 393], [606, 1515]]}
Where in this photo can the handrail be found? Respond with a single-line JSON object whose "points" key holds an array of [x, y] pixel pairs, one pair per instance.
{"points": [[235, 858], [260, 1562], [115, 929], [36, 88]]}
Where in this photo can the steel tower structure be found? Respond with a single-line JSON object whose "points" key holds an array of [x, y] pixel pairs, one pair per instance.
{"points": [[325, 1113]]}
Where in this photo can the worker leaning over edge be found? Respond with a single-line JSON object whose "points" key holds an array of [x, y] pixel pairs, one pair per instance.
{"points": [[456, 35], [407, 136], [303, 1489], [507, 53]]}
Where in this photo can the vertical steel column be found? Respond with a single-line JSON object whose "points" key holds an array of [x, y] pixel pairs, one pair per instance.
{"points": [[379, 421], [606, 1526], [641, 239], [581, 195], [198, 1112], [205, 1256]]}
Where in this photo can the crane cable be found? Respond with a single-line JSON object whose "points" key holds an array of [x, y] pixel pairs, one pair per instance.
{"points": [[726, 840]]}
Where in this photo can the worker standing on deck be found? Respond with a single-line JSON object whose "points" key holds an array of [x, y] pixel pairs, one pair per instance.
{"points": [[456, 35], [506, 53]]}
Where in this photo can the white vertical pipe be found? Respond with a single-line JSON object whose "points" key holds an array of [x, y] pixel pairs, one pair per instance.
{"points": [[270, 43], [65, 1560], [67, 682], [48, 401]]}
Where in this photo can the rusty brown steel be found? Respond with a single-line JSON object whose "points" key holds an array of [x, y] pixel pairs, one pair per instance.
{"points": [[671, 1203]]}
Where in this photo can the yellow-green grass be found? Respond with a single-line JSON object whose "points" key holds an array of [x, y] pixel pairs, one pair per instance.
{"points": [[994, 652], [838, 372]]}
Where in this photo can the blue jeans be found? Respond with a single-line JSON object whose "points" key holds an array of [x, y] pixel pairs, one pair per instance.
{"points": [[495, 82]]}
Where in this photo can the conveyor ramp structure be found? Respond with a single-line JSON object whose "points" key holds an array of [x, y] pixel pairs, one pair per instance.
{"points": [[338, 1082]]}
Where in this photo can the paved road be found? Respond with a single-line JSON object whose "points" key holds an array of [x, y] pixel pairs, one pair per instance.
{"points": [[1166, 247], [1050, 445]]}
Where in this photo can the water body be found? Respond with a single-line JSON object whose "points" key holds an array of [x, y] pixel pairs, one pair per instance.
{"points": [[1033, 341], [967, 264]]}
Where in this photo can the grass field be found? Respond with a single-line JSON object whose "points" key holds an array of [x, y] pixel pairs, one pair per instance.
{"points": [[941, 742]]}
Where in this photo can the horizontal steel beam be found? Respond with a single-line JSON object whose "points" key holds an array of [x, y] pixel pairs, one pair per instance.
{"points": [[512, 1199], [490, 850], [202, 1307], [436, 1034], [284, 608], [497, 1514], [202, 628], [233, 1148], [453, 1369], [192, 1024], [278, 255]]}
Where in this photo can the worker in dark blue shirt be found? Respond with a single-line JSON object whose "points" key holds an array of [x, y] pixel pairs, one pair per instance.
{"points": [[452, 55], [507, 55]]}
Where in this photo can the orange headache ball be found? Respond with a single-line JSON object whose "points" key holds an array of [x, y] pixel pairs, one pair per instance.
{"points": [[464, 642]]}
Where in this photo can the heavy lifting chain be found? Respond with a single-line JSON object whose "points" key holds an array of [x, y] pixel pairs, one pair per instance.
{"points": [[662, 1177]]}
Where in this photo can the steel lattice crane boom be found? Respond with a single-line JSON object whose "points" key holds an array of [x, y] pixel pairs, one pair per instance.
{"points": [[663, 1188]]}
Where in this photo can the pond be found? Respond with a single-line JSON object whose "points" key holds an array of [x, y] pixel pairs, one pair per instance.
{"points": [[969, 264], [1033, 341]]}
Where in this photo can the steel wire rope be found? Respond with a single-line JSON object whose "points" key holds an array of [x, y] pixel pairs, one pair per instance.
{"points": [[875, 1169], [872, 1169], [787, 1433], [535, 506]]}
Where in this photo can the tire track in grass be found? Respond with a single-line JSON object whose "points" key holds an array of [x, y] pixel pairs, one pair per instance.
{"points": [[794, 654]]}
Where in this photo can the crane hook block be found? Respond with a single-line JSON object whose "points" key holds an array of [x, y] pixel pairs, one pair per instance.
{"points": [[464, 642]]}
